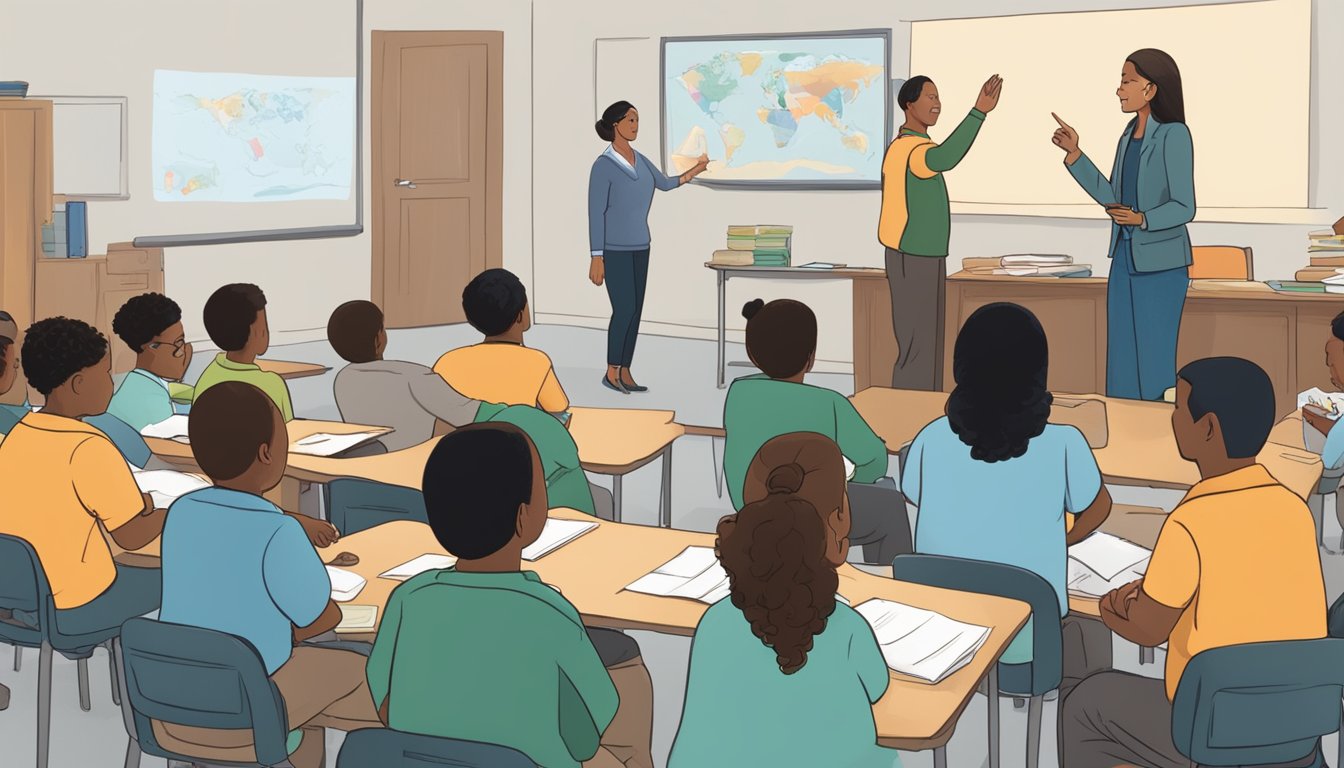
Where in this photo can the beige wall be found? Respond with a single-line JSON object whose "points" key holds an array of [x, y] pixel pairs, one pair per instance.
{"points": [[835, 226], [78, 47]]}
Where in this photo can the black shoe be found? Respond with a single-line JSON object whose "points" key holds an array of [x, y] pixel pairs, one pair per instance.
{"points": [[634, 387], [617, 387]]}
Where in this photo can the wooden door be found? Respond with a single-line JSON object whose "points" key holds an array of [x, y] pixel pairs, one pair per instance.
{"points": [[437, 170], [25, 205]]}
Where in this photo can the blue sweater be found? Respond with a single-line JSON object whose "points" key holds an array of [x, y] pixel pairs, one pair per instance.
{"points": [[618, 202]]}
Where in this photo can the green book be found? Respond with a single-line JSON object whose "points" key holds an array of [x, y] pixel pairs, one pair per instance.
{"points": [[1296, 286]]}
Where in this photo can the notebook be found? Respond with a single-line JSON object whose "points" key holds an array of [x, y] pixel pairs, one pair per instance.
{"points": [[555, 535], [165, 486], [922, 644], [357, 618], [418, 566], [695, 574], [171, 428], [1106, 555], [327, 444], [821, 265], [345, 585], [1084, 581]]}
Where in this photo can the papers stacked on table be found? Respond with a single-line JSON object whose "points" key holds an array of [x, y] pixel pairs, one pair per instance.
{"points": [[1027, 265], [345, 585], [357, 618], [418, 566], [327, 444], [919, 643], [695, 574], [1102, 562], [171, 428], [166, 485], [555, 535]]}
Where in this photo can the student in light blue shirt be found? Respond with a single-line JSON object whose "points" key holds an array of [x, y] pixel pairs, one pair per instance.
{"points": [[994, 481], [151, 325], [1332, 454]]}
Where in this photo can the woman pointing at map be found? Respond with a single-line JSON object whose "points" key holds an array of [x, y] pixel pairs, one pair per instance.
{"points": [[620, 191]]}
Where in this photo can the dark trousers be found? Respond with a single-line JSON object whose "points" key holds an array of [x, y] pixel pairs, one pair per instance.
{"points": [[880, 522], [627, 272], [918, 295]]}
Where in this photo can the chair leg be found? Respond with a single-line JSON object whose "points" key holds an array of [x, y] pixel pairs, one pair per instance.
{"points": [[132, 754], [18, 657], [665, 498], [83, 666], [1034, 731], [123, 686], [718, 467], [992, 699], [43, 704], [112, 673]]}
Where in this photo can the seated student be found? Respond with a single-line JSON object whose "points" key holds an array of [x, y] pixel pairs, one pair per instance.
{"points": [[1332, 454], [1201, 591], [65, 482], [233, 562], [151, 325], [782, 342], [993, 481], [566, 483], [523, 671], [235, 318], [781, 672], [9, 374], [500, 369], [408, 397], [13, 402]]}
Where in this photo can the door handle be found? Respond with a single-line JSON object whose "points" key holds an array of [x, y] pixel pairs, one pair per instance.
{"points": [[407, 183]]}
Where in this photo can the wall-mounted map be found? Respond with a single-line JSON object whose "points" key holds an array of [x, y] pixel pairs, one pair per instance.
{"points": [[788, 110], [252, 138]]}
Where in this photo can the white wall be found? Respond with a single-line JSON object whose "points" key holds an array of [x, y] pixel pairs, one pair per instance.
{"points": [[836, 226], [78, 47]]}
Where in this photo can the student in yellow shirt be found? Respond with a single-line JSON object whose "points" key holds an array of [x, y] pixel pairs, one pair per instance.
{"points": [[235, 318], [500, 369], [1236, 562], [65, 481]]}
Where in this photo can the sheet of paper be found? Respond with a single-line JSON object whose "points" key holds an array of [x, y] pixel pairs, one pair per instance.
{"points": [[1331, 403], [165, 485], [171, 428], [345, 585], [694, 574], [1106, 555], [555, 535], [357, 618], [849, 467], [1084, 581], [921, 643], [418, 566], [327, 444]]}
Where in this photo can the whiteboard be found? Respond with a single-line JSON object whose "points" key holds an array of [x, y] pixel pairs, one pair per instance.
{"points": [[1231, 56], [89, 147]]}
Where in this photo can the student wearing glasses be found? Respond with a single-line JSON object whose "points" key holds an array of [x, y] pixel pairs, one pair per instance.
{"points": [[151, 325]]}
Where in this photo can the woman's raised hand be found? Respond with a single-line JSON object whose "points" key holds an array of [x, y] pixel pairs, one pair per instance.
{"points": [[1066, 138]]}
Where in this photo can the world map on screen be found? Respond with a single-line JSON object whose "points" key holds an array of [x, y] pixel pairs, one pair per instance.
{"points": [[223, 137], [788, 110]]}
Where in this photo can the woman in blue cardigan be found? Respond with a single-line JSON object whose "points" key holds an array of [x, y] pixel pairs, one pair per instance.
{"points": [[1150, 197], [620, 190]]}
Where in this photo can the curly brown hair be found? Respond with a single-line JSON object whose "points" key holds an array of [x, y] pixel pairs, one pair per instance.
{"points": [[775, 550]]}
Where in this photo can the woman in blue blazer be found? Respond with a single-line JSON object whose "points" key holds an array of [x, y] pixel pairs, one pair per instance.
{"points": [[1150, 197]]}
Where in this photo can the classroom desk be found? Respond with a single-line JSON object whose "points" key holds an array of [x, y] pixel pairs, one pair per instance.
{"points": [[292, 370], [174, 452], [723, 273], [912, 715]]}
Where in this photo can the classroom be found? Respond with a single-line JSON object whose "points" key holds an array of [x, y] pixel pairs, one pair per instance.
{"points": [[530, 384]]}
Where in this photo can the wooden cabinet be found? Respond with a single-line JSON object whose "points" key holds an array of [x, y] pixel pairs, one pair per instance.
{"points": [[25, 199]]}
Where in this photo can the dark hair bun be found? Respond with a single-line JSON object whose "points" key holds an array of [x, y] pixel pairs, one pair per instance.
{"points": [[750, 309], [786, 478], [606, 131]]}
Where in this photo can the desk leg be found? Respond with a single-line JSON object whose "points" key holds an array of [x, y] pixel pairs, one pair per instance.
{"points": [[940, 757], [665, 499], [616, 498], [1147, 655], [723, 321], [992, 698]]}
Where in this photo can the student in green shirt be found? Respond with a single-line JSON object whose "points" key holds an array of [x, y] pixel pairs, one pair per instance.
{"points": [[782, 342], [783, 673], [151, 325], [235, 318], [486, 651], [566, 483]]}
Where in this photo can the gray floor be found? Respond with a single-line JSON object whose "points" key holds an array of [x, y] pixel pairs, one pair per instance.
{"points": [[680, 374]]}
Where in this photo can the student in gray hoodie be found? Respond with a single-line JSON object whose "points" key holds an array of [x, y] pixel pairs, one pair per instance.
{"points": [[620, 190]]}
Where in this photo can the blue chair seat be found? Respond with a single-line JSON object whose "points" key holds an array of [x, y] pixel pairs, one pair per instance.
{"points": [[386, 748]]}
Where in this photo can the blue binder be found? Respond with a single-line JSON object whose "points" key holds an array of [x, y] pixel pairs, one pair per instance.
{"points": [[77, 228]]}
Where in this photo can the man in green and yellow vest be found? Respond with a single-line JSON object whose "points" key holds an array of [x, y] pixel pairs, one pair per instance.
{"points": [[915, 223]]}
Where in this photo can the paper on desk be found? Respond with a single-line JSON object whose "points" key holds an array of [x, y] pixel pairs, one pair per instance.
{"points": [[165, 486], [327, 444], [1106, 555], [357, 618], [418, 566], [556, 534], [695, 574], [1331, 403], [172, 428], [1084, 581], [921, 643], [345, 585], [849, 467]]}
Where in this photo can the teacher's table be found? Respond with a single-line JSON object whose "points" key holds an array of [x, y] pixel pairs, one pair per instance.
{"points": [[593, 570], [1283, 333], [862, 311]]}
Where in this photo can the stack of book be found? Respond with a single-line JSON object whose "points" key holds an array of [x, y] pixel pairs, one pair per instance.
{"points": [[764, 245], [1027, 265], [1325, 273], [15, 88]]}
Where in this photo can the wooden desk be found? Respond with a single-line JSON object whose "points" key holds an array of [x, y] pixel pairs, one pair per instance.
{"points": [[1140, 525], [1283, 333], [292, 370], [912, 715]]}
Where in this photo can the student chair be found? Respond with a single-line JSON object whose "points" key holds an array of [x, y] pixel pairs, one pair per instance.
{"points": [[1259, 703], [127, 440], [354, 505], [1221, 262], [1336, 625], [24, 588], [1031, 680], [198, 677], [394, 749]]}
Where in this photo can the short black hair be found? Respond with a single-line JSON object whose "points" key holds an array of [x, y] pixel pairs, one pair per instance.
{"points": [[143, 317], [1337, 326], [492, 301], [1240, 394], [230, 312], [353, 330], [57, 348], [475, 479], [911, 91], [228, 423], [781, 336]]}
